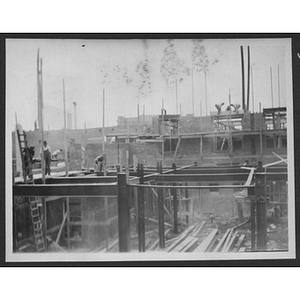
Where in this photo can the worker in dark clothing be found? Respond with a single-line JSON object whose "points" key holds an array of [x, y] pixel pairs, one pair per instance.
{"points": [[28, 154], [219, 107], [99, 163], [47, 158]]}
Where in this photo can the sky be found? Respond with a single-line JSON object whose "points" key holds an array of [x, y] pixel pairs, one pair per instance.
{"points": [[128, 72]]}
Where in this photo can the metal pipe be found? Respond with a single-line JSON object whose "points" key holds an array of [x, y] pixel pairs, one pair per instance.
{"points": [[103, 135], [271, 86], [175, 208], [193, 92], [161, 226], [243, 79], [65, 132], [205, 87], [176, 96], [278, 87], [248, 83], [252, 90]]}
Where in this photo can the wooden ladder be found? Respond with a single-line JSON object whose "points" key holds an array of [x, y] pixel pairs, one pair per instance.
{"points": [[25, 156], [37, 224], [33, 201]]}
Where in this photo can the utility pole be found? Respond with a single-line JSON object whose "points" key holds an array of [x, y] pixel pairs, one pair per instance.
{"points": [[176, 96], [271, 86], [40, 108], [75, 115], [278, 87], [248, 82], [138, 116], [193, 92], [143, 118], [252, 90], [65, 131], [205, 86], [243, 80], [103, 134]]}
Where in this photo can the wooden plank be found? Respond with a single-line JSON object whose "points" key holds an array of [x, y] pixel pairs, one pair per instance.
{"points": [[156, 221], [221, 242], [61, 228], [181, 237], [230, 243], [177, 146], [195, 233], [183, 244], [239, 242], [227, 240], [207, 244], [190, 246]]}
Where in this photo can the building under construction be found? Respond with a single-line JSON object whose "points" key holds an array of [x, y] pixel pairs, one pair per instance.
{"points": [[169, 183]]}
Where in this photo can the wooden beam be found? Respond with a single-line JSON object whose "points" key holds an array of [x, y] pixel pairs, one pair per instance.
{"points": [[176, 149], [182, 236], [230, 242], [191, 246], [208, 243], [198, 230], [221, 242], [61, 228]]}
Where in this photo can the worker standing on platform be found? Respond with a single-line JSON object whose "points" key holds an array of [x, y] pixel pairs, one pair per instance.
{"points": [[47, 158], [98, 164]]}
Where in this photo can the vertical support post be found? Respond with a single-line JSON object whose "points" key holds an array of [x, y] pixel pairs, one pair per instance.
{"points": [[134, 162], [68, 222], [44, 222], [15, 230], [106, 222], [141, 210], [127, 164], [175, 208], [261, 224], [253, 223], [161, 225], [141, 219], [201, 146], [261, 209], [123, 214], [65, 132], [243, 79], [205, 86], [278, 87], [187, 204], [248, 80]]}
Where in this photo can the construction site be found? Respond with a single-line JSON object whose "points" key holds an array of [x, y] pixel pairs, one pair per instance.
{"points": [[216, 183]]}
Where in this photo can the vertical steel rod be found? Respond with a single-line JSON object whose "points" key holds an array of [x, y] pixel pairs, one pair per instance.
{"points": [[175, 209], [141, 219], [123, 214], [161, 226], [243, 79]]}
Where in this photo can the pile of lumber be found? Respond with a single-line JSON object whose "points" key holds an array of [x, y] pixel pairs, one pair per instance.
{"points": [[187, 241], [231, 241]]}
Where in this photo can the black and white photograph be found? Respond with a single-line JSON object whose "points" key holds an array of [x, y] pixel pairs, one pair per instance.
{"points": [[149, 148]]}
